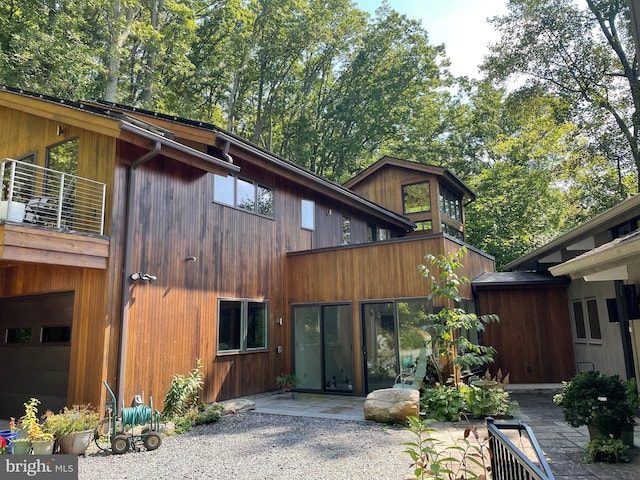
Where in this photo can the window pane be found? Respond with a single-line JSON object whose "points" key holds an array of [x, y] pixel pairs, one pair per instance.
{"points": [[256, 325], [384, 234], [246, 195], [229, 325], [416, 198], [308, 214], [265, 201], [223, 189], [413, 325], [346, 230], [594, 319], [18, 335], [578, 318], [64, 157], [424, 226], [56, 334], [450, 203]]}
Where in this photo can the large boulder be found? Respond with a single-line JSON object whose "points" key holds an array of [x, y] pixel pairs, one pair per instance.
{"points": [[392, 405], [238, 405]]}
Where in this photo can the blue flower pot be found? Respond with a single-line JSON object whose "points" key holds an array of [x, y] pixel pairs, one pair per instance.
{"points": [[9, 436]]}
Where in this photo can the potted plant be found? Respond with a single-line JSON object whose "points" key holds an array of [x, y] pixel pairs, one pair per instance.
{"points": [[41, 440], [286, 382], [600, 402], [73, 428]]}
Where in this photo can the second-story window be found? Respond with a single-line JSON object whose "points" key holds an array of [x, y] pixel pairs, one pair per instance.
{"points": [[308, 210], [450, 204], [346, 230], [416, 198], [243, 194]]}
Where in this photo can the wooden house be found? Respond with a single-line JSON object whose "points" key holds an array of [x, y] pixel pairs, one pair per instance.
{"points": [[134, 243]]}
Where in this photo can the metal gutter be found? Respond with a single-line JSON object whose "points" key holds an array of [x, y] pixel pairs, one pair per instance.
{"points": [[334, 188], [129, 127]]}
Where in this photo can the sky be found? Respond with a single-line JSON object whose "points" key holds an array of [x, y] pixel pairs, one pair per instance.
{"points": [[459, 24]]}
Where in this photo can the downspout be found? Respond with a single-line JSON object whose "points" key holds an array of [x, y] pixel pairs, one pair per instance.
{"points": [[124, 324]]}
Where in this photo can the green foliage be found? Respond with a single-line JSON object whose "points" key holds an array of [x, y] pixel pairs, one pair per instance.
{"points": [[446, 325], [75, 419], [606, 449], [208, 413], [595, 400], [487, 402], [286, 381], [442, 403], [469, 458], [183, 392]]}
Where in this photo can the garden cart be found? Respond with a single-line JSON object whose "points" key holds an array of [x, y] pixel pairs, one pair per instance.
{"points": [[136, 425]]}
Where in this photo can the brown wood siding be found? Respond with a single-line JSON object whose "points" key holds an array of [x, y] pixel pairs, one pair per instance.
{"points": [[89, 312], [533, 339], [384, 270]]}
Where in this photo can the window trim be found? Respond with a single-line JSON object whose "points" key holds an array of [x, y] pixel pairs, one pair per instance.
{"points": [[586, 321], [244, 326]]}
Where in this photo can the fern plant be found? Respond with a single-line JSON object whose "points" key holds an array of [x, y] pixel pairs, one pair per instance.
{"points": [[183, 392]]}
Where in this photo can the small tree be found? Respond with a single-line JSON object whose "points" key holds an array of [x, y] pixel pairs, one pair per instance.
{"points": [[447, 327]]}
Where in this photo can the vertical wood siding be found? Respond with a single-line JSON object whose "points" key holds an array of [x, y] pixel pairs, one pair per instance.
{"points": [[533, 339]]}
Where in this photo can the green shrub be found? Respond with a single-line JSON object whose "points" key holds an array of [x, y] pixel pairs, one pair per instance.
{"points": [[598, 401], [443, 403], [208, 413], [183, 392], [487, 402], [607, 449]]}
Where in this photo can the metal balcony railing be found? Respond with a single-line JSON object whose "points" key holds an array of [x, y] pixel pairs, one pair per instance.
{"points": [[39, 196], [508, 462]]}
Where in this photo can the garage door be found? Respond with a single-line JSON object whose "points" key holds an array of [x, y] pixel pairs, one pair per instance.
{"points": [[34, 351]]}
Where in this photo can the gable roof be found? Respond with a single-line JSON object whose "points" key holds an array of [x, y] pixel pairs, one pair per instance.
{"points": [[388, 161]]}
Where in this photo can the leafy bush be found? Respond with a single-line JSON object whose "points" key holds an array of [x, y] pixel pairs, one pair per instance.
{"points": [[431, 459], [183, 392], [607, 449], [443, 403], [487, 402], [208, 413], [598, 401]]}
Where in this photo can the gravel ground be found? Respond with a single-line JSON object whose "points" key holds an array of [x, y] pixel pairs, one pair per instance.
{"points": [[260, 446]]}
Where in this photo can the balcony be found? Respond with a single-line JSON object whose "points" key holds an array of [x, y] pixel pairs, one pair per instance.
{"points": [[47, 216], [47, 198]]}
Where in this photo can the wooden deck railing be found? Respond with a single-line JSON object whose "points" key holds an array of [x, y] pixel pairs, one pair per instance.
{"points": [[39, 196], [508, 462]]}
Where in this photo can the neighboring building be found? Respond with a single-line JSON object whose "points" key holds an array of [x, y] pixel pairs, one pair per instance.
{"points": [[600, 263], [151, 241]]}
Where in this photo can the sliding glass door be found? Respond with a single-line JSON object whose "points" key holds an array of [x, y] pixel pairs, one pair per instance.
{"points": [[323, 340]]}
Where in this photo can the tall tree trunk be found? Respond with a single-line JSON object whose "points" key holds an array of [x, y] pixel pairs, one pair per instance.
{"points": [[119, 24]]}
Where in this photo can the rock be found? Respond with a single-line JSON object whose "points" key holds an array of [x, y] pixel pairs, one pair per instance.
{"points": [[238, 405], [392, 405]]}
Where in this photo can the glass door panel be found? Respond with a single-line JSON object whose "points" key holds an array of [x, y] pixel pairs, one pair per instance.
{"points": [[338, 348], [412, 323], [308, 364], [379, 329]]}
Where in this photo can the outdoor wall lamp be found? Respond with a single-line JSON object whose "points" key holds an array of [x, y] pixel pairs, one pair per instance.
{"points": [[146, 277]]}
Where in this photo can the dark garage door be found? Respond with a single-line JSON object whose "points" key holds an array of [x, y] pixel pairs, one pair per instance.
{"points": [[35, 345]]}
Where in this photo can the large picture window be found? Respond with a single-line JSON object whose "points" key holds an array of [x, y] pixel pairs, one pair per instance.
{"points": [[243, 194], [242, 325], [450, 204], [416, 198]]}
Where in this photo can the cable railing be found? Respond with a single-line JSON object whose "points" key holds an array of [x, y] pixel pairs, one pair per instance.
{"points": [[508, 462], [46, 198]]}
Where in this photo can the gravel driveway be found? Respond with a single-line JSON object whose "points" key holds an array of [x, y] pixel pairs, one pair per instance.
{"points": [[261, 446]]}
